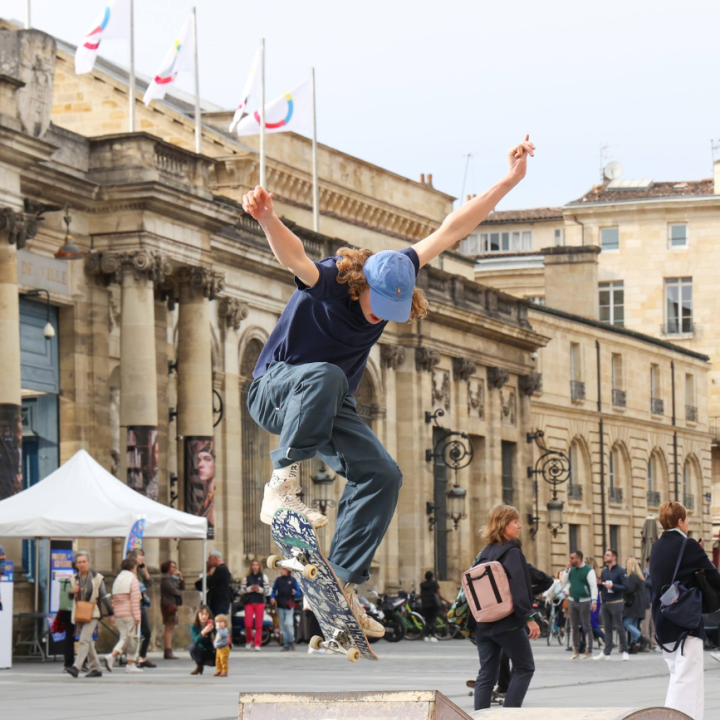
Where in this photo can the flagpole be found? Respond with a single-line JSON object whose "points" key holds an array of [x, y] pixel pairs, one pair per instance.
{"points": [[315, 183], [131, 86], [27, 14], [262, 113], [198, 134]]}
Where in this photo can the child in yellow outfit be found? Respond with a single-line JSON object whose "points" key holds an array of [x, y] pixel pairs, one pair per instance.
{"points": [[222, 645]]}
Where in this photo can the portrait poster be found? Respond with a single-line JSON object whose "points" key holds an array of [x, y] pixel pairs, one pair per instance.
{"points": [[142, 460], [11, 476], [200, 479]]}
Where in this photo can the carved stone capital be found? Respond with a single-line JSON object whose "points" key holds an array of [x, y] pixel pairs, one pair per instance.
{"points": [[426, 359], [530, 384], [233, 311], [497, 377], [392, 356], [205, 280], [476, 398], [463, 369], [143, 262], [17, 227]]}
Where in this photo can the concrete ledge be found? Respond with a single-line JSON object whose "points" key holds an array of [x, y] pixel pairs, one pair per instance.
{"points": [[657, 713]]}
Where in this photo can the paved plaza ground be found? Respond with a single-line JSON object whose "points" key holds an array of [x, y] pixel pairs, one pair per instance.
{"points": [[35, 691]]}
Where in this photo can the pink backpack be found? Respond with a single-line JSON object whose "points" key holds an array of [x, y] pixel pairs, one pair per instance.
{"points": [[487, 591]]}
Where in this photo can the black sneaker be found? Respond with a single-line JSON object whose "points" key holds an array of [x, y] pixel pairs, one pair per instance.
{"points": [[94, 673], [146, 664], [72, 670]]}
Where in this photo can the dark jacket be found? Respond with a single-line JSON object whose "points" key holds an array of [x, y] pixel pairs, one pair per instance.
{"points": [[220, 592], [664, 555], [520, 581], [251, 597], [202, 641], [282, 592], [618, 577], [636, 593], [170, 588], [540, 580]]}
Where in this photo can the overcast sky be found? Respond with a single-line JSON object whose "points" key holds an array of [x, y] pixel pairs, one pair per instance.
{"points": [[413, 86]]}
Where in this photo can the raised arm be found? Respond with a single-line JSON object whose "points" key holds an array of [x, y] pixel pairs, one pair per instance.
{"points": [[286, 246], [460, 222]]}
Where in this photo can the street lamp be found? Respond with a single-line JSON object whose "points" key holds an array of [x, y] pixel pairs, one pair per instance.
{"points": [[456, 505], [553, 467], [69, 250], [48, 330], [322, 480]]}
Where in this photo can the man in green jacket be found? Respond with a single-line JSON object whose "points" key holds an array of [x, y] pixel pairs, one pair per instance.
{"points": [[582, 590]]}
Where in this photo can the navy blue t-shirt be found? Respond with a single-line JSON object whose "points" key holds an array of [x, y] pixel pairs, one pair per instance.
{"points": [[322, 324]]}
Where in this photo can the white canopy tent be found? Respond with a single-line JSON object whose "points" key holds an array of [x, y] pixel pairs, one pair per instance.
{"points": [[83, 500]]}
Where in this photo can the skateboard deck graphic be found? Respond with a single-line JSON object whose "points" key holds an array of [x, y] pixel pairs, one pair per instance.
{"points": [[298, 542]]}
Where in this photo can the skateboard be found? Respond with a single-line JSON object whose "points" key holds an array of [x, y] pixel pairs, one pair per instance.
{"points": [[301, 554]]}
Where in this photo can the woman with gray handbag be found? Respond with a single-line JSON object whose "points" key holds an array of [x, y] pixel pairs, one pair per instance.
{"points": [[677, 607]]}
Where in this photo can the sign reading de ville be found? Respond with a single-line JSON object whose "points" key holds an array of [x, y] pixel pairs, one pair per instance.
{"points": [[37, 271]]}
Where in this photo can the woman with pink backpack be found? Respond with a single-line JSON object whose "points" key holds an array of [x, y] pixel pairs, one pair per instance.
{"points": [[498, 590]]}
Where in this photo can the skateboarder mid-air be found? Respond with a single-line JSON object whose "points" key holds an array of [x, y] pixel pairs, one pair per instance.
{"points": [[314, 360]]}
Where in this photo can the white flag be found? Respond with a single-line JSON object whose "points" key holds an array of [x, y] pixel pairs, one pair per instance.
{"points": [[113, 24], [249, 92], [180, 57], [290, 112]]}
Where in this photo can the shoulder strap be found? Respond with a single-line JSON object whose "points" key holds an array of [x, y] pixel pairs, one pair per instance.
{"points": [[677, 564]]}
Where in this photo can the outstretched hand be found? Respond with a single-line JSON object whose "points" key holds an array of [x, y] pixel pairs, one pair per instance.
{"points": [[517, 158], [259, 203]]}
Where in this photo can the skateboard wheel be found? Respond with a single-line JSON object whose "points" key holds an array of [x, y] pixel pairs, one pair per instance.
{"points": [[272, 562], [353, 654], [316, 642], [310, 572]]}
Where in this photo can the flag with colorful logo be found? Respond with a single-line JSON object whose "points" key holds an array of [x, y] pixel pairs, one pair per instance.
{"points": [[180, 57], [113, 24], [249, 92], [292, 111], [135, 537]]}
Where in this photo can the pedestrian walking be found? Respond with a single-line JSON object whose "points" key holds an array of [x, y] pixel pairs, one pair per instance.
{"points": [[172, 585], [431, 603], [647, 626], [677, 557], [202, 631], [88, 592], [221, 643], [220, 592], [511, 634], [635, 605], [254, 588], [284, 595], [128, 616], [145, 581], [598, 633], [614, 586], [313, 362], [582, 591]]}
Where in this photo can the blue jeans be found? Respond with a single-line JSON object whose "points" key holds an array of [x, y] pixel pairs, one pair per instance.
{"points": [[287, 626], [310, 408], [631, 625]]}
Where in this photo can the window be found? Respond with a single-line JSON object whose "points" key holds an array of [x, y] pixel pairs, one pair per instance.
{"points": [[527, 240], [677, 235], [617, 377], [678, 305], [508, 463], [651, 475], [612, 470], [615, 539], [471, 245], [691, 413], [504, 242], [657, 406], [612, 302], [574, 537], [575, 363], [609, 239], [559, 236]]}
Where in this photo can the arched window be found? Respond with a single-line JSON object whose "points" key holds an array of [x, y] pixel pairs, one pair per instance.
{"points": [[654, 480], [615, 465], [688, 485], [578, 470]]}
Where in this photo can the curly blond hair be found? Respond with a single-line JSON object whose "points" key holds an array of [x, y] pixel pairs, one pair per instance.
{"points": [[498, 519], [350, 271]]}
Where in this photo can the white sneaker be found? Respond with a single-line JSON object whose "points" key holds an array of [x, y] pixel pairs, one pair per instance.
{"points": [[371, 628], [625, 656], [427, 639], [133, 668], [715, 655], [601, 656], [257, 648], [109, 661], [248, 646], [433, 639], [285, 495]]}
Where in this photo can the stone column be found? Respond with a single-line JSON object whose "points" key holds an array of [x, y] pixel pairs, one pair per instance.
{"points": [[196, 449]]}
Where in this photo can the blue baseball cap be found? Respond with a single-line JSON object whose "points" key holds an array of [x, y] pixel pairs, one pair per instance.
{"points": [[391, 277]]}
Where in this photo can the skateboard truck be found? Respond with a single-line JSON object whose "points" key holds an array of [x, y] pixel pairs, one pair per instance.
{"points": [[298, 562], [338, 643]]}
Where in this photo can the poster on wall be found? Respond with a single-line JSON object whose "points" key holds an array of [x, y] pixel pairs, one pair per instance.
{"points": [[61, 566], [200, 479], [142, 460], [10, 450]]}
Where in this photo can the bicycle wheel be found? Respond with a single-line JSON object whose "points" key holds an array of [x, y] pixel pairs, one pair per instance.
{"points": [[561, 636], [414, 625], [395, 629]]}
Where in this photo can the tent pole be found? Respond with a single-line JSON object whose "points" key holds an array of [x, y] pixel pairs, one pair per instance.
{"points": [[204, 577], [37, 574]]}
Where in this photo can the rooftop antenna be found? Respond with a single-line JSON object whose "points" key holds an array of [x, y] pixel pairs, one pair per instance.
{"points": [[604, 155], [467, 157], [714, 145]]}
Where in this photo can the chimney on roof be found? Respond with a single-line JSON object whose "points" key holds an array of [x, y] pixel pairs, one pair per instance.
{"points": [[422, 178], [429, 179], [571, 279], [716, 177]]}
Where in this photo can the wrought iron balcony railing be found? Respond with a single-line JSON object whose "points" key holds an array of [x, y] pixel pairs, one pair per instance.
{"points": [[689, 501], [653, 498], [575, 492], [577, 390], [691, 413], [657, 406], [619, 398], [615, 495]]}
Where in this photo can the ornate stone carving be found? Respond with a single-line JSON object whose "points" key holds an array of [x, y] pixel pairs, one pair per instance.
{"points": [[426, 359], [114, 311], [110, 266], [371, 411], [208, 281], [497, 377], [441, 388], [233, 311], [392, 356], [530, 384], [476, 399], [463, 369], [508, 403], [19, 227]]}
